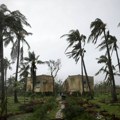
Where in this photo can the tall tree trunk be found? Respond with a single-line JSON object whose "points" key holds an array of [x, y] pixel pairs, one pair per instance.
{"points": [[34, 80], [82, 68], [2, 74], [33, 75], [25, 86], [16, 74], [113, 90], [82, 76], [5, 72], [87, 79]]}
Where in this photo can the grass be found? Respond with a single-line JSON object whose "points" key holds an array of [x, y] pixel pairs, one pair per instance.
{"points": [[105, 105], [14, 107], [102, 100], [21, 117], [50, 102]]}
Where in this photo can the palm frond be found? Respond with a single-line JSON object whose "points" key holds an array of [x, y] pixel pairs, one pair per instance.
{"points": [[106, 76], [21, 17], [40, 62], [26, 43], [7, 40], [102, 59], [99, 71], [21, 54], [14, 50], [27, 59], [97, 28]]}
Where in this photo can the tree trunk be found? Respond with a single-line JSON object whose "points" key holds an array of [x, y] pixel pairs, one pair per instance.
{"points": [[33, 75], [16, 74], [82, 68], [5, 72], [25, 86], [87, 79], [34, 80], [2, 74], [113, 90], [82, 77]]}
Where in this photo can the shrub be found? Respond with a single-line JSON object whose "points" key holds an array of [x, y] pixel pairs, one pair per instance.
{"points": [[41, 112], [72, 111]]}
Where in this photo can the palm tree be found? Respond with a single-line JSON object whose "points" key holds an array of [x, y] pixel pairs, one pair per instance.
{"points": [[99, 28], [2, 25], [77, 41], [104, 60], [7, 65], [112, 44], [7, 31], [11, 24], [17, 52], [24, 72], [32, 60]]}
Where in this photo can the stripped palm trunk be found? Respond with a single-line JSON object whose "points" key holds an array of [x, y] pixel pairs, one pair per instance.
{"points": [[87, 79], [5, 72], [82, 69], [82, 77], [16, 74], [33, 75], [2, 75]]}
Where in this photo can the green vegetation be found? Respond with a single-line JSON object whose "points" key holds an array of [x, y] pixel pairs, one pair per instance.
{"points": [[74, 110], [105, 103], [45, 111], [77, 108]]}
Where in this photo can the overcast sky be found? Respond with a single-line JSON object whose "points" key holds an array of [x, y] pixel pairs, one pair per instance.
{"points": [[50, 19]]}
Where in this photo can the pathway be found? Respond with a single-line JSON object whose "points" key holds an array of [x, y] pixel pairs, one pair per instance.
{"points": [[59, 114]]}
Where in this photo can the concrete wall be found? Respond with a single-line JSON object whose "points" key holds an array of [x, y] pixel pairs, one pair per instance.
{"points": [[74, 84], [44, 83]]}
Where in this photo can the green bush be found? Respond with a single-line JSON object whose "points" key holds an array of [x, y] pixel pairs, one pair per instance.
{"points": [[72, 111], [42, 111]]}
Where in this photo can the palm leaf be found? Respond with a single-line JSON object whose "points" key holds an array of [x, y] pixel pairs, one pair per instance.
{"points": [[40, 62], [27, 59], [97, 27], [7, 40], [99, 71], [14, 52]]}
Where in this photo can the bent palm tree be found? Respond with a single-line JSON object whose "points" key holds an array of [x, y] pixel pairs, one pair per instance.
{"points": [[11, 27], [112, 44], [104, 60], [7, 65], [99, 28], [24, 72], [77, 41], [17, 50]]}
